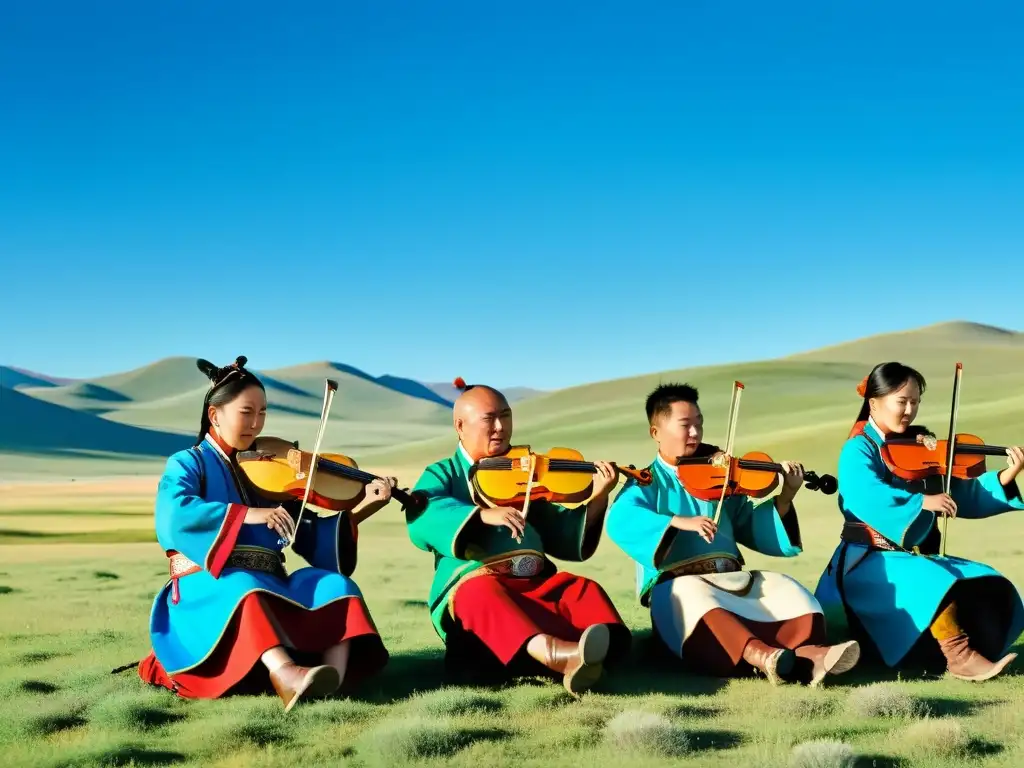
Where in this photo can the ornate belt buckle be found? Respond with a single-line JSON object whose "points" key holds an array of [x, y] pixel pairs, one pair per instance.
{"points": [[525, 565]]}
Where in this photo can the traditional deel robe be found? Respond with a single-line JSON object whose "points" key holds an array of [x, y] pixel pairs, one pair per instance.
{"points": [[500, 592], [688, 583], [893, 596], [229, 599]]}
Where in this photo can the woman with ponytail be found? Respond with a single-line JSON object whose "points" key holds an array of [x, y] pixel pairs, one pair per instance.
{"points": [[231, 618], [885, 582]]}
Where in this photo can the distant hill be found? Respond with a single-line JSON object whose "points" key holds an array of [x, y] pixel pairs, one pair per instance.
{"points": [[32, 426], [13, 378], [801, 405], [513, 394]]}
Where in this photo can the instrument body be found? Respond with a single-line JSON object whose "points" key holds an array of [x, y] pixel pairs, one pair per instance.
{"points": [[279, 471], [560, 476], [911, 459], [754, 474]]}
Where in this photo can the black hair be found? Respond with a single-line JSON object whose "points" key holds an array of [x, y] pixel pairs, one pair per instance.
{"points": [[227, 383], [884, 379], [659, 402]]}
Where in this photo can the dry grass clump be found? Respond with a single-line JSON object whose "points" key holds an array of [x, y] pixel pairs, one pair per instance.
{"points": [[638, 731], [394, 742], [885, 700], [943, 737], [823, 754]]}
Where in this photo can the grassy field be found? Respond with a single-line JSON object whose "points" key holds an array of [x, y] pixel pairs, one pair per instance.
{"points": [[79, 567]]}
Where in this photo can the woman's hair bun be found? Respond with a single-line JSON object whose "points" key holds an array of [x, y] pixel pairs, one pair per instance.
{"points": [[208, 369], [215, 374]]}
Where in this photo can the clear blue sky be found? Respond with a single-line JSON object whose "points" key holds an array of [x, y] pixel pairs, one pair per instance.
{"points": [[567, 192]]}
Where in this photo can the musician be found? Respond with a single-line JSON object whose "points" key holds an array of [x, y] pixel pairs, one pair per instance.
{"points": [[883, 582], [231, 618], [497, 600], [719, 618]]}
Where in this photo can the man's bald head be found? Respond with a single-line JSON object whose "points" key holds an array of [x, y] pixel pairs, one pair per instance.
{"points": [[483, 421]]}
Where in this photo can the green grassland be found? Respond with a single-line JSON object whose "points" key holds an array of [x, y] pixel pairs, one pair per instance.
{"points": [[79, 568]]}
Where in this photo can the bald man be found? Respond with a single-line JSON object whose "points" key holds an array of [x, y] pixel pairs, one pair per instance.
{"points": [[497, 601]]}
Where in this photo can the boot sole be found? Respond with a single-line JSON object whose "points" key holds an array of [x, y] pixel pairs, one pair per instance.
{"points": [[594, 643], [838, 659], [994, 670], [320, 682], [582, 678], [842, 658]]}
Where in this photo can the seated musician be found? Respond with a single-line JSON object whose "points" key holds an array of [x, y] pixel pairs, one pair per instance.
{"points": [[497, 600], [885, 582], [706, 608], [231, 618]]}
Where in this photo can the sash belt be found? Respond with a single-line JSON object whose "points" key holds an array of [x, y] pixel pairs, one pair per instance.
{"points": [[264, 560], [700, 567], [860, 533], [517, 566]]}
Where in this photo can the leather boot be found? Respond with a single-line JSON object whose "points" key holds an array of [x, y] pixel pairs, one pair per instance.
{"points": [[964, 663], [580, 664], [822, 660], [772, 662], [294, 683]]}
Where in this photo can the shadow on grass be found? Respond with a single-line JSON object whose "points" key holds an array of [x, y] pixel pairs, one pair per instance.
{"points": [[134, 755], [38, 657], [652, 668], [692, 711], [881, 761], [47, 725], [701, 739], [38, 686], [5, 590], [943, 706], [406, 673], [981, 748]]}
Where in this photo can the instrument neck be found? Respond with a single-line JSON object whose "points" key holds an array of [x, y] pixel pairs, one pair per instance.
{"points": [[981, 450]]}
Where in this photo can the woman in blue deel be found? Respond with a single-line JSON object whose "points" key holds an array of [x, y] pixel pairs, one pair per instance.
{"points": [[886, 581], [231, 618]]}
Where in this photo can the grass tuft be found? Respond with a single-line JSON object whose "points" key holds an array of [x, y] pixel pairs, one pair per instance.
{"points": [[944, 737], [885, 700], [415, 738], [646, 732], [823, 754], [132, 713], [5, 590], [452, 701], [105, 575]]}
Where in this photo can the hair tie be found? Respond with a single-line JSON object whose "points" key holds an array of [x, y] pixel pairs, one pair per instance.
{"points": [[862, 388]]}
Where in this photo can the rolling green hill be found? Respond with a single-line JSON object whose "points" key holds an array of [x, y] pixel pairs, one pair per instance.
{"points": [[797, 407]]}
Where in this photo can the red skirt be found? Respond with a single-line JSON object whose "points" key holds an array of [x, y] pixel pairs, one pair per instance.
{"points": [[262, 622], [504, 612]]}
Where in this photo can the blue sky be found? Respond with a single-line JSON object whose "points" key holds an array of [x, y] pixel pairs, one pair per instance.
{"points": [[565, 194]]}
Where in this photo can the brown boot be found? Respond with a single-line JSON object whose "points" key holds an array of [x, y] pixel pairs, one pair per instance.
{"points": [[964, 663], [580, 664], [772, 662], [828, 659], [294, 683]]}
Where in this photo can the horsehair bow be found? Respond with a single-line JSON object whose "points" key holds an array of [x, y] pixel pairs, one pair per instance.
{"points": [[330, 388]]}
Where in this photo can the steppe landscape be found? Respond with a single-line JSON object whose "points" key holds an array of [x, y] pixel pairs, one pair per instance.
{"points": [[79, 565]]}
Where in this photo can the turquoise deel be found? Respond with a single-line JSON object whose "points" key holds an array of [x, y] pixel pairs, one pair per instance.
{"points": [[896, 595], [185, 634], [639, 522], [450, 529]]}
